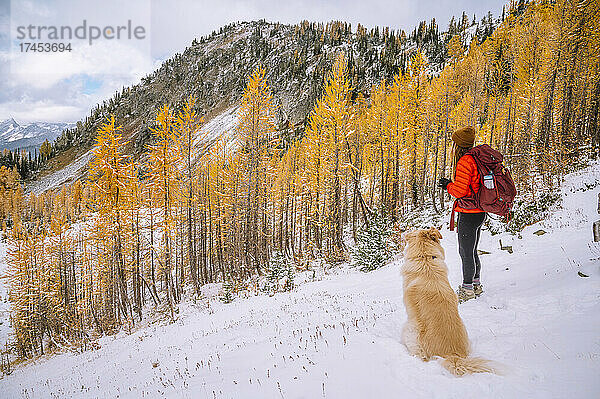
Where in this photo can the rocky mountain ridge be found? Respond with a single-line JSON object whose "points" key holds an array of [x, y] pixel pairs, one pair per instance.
{"points": [[28, 137]]}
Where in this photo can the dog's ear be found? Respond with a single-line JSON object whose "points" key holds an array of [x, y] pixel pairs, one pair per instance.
{"points": [[433, 234], [408, 237]]}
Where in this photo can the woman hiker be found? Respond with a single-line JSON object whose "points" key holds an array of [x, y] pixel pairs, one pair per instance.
{"points": [[465, 183]]}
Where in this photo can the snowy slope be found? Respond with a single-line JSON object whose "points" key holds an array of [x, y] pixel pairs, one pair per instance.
{"points": [[7, 128], [221, 125], [340, 337], [70, 172], [4, 304]]}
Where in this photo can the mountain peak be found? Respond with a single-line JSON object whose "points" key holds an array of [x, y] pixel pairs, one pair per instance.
{"points": [[8, 122], [28, 136]]}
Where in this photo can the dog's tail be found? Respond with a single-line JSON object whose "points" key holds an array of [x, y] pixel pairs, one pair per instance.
{"points": [[460, 365]]}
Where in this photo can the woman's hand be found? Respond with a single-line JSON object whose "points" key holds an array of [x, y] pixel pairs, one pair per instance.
{"points": [[443, 183]]}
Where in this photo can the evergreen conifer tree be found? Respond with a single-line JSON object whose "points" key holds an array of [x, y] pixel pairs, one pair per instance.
{"points": [[373, 247], [228, 290]]}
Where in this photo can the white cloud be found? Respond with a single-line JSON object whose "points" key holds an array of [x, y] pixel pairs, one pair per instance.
{"points": [[40, 110], [101, 59], [33, 8], [64, 87]]}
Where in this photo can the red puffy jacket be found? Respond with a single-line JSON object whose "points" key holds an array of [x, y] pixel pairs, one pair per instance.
{"points": [[466, 182]]}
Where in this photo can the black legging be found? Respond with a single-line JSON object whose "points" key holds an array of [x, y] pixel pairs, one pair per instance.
{"points": [[469, 229]]}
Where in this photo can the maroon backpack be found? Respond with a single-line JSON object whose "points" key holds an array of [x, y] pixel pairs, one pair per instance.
{"points": [[496, 190]]}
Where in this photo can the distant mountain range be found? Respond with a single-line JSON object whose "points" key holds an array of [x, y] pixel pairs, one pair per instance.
{"points": [[29, 137]]}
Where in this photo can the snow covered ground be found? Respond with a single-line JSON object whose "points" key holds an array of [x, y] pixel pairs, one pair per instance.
{"points": [[340, 337], [4, 304], [64, 175], [221, 125]]}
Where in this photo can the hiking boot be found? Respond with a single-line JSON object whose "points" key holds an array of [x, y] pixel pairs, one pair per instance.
{"points": [[477, 289], [464, 294]]}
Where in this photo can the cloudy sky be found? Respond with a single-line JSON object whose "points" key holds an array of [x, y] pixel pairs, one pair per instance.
{"points": [[64, 86]]}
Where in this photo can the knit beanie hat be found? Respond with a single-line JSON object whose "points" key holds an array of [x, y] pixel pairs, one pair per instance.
{"points": [[464, 137]]}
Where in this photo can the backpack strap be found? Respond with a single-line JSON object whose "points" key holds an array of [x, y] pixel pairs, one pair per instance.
{"points": [[452, 216]]}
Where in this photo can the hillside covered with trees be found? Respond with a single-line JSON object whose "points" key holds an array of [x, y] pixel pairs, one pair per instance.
{"points": [[296, 58]]}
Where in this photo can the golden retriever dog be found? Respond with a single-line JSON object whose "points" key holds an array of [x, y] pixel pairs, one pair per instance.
{"points": [[434, 327]]}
